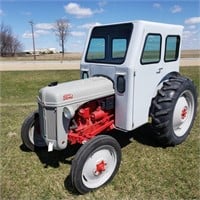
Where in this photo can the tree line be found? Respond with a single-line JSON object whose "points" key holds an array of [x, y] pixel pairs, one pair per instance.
{"points": [[10, 45]]}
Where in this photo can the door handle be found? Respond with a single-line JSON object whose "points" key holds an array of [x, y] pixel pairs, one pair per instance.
{"points": [[159, 70]]}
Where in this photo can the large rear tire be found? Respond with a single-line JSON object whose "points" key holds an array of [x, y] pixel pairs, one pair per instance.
{"points": [[30, 132], [95, 164], [173, 111]]}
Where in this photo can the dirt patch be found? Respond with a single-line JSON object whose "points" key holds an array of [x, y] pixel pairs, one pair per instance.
{"points": [[190, 54]]}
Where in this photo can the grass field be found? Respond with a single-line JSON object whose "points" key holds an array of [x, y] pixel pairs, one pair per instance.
{"points": [[77, 56], [146, 172], [44, 57]]}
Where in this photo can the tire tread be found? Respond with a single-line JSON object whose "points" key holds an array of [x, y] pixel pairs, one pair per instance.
{"points": [[162, 109]]}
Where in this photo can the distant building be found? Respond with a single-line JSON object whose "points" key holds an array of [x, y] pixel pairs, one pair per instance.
{"points": [[42, 51]]}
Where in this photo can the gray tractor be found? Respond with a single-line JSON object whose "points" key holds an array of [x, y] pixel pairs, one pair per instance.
{"points": [[129, 74]]}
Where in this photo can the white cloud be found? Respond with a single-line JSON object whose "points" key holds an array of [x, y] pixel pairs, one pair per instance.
{"points": [[77, 10], [100, 10], [76, 46], [188, 34], [191, 38], [192, 27], [40, 29], [1, 12], [191, 33], [26, 13], [81, 12], [192, 20], [41, 32], [89, 25], [27, 35], [37, 33], [176, 9], [77, 33], [44, 26], [102, 3], [157, 5]]}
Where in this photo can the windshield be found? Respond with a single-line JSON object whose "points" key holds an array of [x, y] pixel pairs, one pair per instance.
{"points": [[109, 44]]}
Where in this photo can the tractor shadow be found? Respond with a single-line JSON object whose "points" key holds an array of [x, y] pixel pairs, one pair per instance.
{"points": [[54, 158], [143, 135]]}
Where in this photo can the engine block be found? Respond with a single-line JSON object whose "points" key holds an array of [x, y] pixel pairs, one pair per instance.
{"points": [[91, 119]]}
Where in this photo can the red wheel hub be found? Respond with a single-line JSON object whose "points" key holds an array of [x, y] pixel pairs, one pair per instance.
{"points": [[184, 112], [100, 167]]}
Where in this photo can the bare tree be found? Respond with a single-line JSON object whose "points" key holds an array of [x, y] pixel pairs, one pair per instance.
{"points": [[5, 32], [9, 44], [61, 30], [16, 46]]}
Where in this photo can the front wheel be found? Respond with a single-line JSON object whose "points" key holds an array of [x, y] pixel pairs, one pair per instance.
{"points": [[173, 110], [30, 132], [96, 163]]}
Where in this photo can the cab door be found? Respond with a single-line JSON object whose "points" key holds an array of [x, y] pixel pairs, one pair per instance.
{"points": [[148, 73]]}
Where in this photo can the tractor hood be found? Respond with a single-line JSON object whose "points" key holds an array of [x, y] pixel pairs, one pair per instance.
{"points": [[78, 91]]}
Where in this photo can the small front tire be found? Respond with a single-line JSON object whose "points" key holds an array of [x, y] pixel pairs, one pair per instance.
{"points": [[96, 163], [30, 132]]}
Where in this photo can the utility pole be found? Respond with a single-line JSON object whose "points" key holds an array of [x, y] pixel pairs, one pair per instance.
{"points": [[34, 55]]}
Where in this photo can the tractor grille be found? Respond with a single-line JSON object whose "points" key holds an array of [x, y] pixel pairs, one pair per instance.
{"points": [[48, 122]]}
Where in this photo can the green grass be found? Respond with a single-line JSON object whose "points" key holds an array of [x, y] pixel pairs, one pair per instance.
{"points": [[17, 87], [146, 171]]}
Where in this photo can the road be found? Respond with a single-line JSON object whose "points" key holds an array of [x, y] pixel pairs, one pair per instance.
{"points": [[184, 62], [66, 65], [38, 65]]}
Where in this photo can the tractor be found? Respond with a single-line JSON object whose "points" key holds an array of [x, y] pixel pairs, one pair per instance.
{"points": [[129, 76]]}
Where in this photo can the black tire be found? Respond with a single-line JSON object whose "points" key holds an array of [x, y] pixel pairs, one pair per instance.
{"points": [[95, 163], [173, 110], [30, 133]]}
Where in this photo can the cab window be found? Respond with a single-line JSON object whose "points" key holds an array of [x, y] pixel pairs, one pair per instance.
{"points": [[152, 49], [172, 48], [119, 47], [96, 49]]}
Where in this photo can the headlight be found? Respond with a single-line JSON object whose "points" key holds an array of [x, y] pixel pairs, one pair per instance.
{"points": [[68, 112]]}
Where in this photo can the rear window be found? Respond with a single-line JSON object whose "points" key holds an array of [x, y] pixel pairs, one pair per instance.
{"points": [[96, 49], [119, 47], [109, 44]]}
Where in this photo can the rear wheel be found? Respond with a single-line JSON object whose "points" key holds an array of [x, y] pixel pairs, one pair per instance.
{"points": [[173, 110], [30, 132], [96, 163]]}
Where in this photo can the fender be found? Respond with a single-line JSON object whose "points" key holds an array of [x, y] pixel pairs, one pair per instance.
{"points": [[163, 80], [160, 84]]}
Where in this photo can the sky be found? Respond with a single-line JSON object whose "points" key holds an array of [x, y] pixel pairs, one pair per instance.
{"points": [[83, 14]]}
